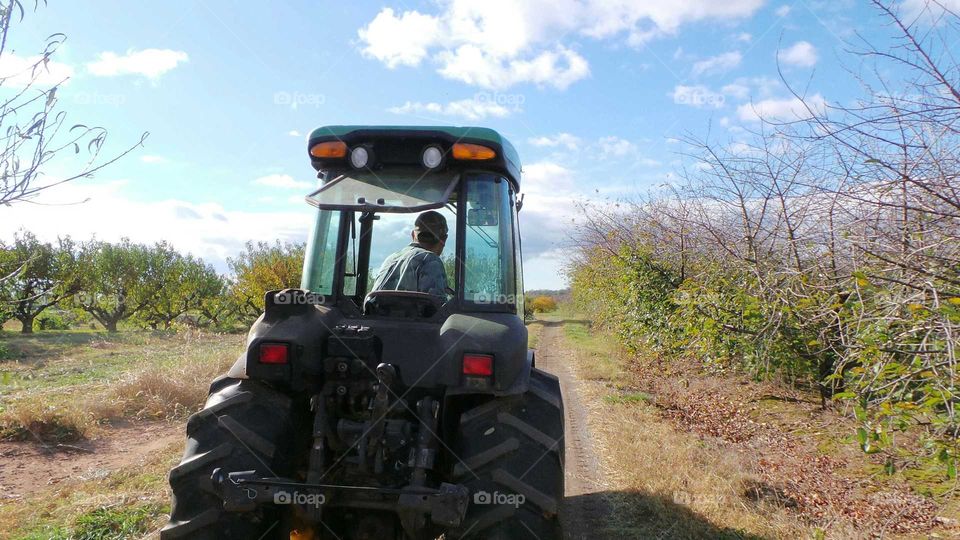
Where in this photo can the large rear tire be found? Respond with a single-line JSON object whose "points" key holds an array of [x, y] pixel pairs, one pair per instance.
{"points": [[511, 459], [245, 425]]}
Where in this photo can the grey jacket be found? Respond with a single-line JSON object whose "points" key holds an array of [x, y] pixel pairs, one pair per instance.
{"points": [[413, 268]]}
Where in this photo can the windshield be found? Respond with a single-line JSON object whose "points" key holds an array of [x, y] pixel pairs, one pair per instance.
{"points": [[478, 259], [397, 191]]}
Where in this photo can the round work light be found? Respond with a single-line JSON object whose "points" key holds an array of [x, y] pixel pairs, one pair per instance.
{"points": [[432, 157], [359, 157]]}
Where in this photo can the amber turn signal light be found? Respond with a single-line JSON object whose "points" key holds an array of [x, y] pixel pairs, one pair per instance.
{"points": [[328, 150], [472, 151]]}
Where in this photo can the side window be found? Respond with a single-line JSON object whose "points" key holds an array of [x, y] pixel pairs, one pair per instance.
{"points": [[489, 275], [320, 259], [350, 270], [518, 259]]}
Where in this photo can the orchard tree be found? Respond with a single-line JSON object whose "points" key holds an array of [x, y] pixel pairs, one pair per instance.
{"points": [[119, 280], [44, 275], [263, 267], [220, 310], [543, 304], [185, 284]]}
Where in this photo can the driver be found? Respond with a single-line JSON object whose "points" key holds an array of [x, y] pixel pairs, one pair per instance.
{"points": [[418, 267]]}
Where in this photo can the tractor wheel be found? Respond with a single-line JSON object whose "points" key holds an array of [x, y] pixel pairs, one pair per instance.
{"points": [[244, 426], [511, 452]]}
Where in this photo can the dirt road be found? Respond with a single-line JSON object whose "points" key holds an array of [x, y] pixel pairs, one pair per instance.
{"points": [[584, 511], [26, 467]]}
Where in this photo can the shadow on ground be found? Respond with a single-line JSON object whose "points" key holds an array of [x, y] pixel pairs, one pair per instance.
{"points": [[634, 514]]}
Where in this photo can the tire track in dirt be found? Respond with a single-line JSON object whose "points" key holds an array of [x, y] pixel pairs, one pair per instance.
{"points": [[584, 512]]}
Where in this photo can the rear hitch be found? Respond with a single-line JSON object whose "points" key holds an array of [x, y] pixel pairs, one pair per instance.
{"points": [[243, 491]]}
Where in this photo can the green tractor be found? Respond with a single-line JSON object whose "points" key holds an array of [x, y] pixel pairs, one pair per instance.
{"points": [[388, 414]]}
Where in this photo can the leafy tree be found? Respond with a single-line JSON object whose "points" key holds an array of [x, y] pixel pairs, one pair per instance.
{"points": [[120, 280], [263, 267], [185, 283], [220, 310], [44, 274], [543, 304]]}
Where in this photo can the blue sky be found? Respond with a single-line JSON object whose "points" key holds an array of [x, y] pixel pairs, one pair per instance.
{"points": [[593, 94]]}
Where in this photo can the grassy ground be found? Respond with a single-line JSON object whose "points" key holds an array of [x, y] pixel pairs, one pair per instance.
{"points": [[734, 449], [129, 503], [63, 387]]}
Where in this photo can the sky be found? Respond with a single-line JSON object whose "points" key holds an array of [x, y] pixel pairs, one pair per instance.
{"points": [[595, 95]]}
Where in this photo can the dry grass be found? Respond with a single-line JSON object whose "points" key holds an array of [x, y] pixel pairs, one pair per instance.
{"points": [[164, 377], [667, 481], [68, 386]]}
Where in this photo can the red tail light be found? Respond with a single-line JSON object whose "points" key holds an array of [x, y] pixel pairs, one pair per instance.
{"points": [[478, 364], [274, 353]]}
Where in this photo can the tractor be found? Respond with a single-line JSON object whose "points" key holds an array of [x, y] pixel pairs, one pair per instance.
{"points": [[386, 414]]}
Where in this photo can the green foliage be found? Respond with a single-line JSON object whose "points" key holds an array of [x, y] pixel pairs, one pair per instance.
{"points": [[543, 304], [116, 523], [262, 267], [630, 293], [120, 280], [187, 283], [35, 275], [54, 320]]}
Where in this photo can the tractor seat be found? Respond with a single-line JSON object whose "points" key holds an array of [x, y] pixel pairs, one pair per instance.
{"points": [[401, 304]]}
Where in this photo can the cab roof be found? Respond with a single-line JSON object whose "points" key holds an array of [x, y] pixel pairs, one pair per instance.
{"points": [[507, 160]]}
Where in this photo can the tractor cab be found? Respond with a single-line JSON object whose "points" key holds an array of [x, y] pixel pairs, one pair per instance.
{"points": [[377, 180]]}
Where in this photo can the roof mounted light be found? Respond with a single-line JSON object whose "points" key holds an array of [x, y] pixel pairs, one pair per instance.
{"points": [[359, 157], [432, 157], [329, 150], [472, 152]]}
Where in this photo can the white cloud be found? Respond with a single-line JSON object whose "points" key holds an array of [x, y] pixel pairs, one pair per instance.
{"points": [[801, 53], [736, 90], [207, 229], [153, 159], [783, 110], [400, 41], [507, 42], [614, 146], [475, 66], [566, 140], [294, 133], [783, 10], [697, 96], [721, 63], [282, 181], [928, 11], [469, 109], [745, 37], [548, 189], [18, 71], [150, 63]]}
